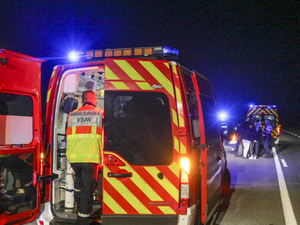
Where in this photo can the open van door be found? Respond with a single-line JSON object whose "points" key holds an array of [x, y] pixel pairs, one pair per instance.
{"points": [[211, 152], [140, 167], [20, 136]]}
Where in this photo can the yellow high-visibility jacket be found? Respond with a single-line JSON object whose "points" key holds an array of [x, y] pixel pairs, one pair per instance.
{"points": [[84, 135]]}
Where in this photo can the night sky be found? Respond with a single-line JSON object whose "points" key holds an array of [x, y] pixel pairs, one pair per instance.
{"points": [[248, 49]]}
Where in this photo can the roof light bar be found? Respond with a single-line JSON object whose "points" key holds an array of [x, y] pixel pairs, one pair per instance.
{"points": [[263, 106], [159, 52]]}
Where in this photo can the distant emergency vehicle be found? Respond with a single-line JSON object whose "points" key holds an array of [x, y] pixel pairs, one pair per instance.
{"points": [[262, 113], [163, 160]]}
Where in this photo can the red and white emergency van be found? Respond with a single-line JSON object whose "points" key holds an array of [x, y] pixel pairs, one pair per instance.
{"points": [[163, 161], [263, 113]]}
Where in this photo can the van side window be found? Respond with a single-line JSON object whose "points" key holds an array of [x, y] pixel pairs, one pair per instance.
{"points": [[139, 127], [208, 106], [16, 119], [193, 106], [15, 105], [211, 121]]}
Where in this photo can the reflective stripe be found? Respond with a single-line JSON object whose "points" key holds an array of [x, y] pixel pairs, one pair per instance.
{"points": [[165, 183], [119, 85], [176, 144], [144, 85], [167, 210], [159, 76], [84, 215], [129, 70], [77, 190], [182, 148], [112, 204], [126, 194], [174, 113], [109, 74], [48, 95], [174, 168], [84, 130], [76, 136], [53, 72]]}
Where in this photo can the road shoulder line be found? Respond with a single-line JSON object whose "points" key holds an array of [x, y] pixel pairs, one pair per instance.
{"points": [[288, 212]]}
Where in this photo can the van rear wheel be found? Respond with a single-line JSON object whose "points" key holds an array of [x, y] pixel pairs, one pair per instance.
{"points": [[226, 181]]}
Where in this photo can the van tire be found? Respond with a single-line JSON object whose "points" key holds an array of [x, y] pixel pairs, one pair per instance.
{"points": [[226, 181]]}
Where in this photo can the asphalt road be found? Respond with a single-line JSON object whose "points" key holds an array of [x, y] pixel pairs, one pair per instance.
{"points": [[264, 191]]}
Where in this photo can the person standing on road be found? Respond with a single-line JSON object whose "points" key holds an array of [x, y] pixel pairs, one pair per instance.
{"points": [[247, 139], [256, 133], [267, 137], [84, 134], [239, 144]]}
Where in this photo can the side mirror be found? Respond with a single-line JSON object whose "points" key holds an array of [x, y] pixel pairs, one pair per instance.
{"points": [[69, 104]]}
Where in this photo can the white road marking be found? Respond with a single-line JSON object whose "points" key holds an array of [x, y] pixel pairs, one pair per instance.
{"points": [[296, 135], [284, 163], [288, 212]]}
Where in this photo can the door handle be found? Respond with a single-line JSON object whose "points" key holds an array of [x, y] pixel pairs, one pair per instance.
{"points": [[120, 175]]}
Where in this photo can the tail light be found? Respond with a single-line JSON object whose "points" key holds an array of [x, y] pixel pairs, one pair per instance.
{"points": [[278, 129], [42, 162], [185, 165], [233, 137], [184, 186]]}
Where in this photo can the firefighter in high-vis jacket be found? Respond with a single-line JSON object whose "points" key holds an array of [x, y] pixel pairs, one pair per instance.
{"points": [[84, 134]]}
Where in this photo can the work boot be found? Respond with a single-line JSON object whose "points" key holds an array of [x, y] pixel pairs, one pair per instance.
{"points": [[268, 156], [76, 207]]}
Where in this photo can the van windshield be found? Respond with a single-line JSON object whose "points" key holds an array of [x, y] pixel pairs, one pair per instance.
{"points": [[138, 127]]}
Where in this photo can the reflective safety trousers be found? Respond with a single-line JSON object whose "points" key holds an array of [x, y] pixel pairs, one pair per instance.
{"points": [[84, 135]]}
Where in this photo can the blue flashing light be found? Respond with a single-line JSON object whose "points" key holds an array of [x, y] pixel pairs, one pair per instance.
{"points": [[169, 50], [223, 116], [73, 56]]}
